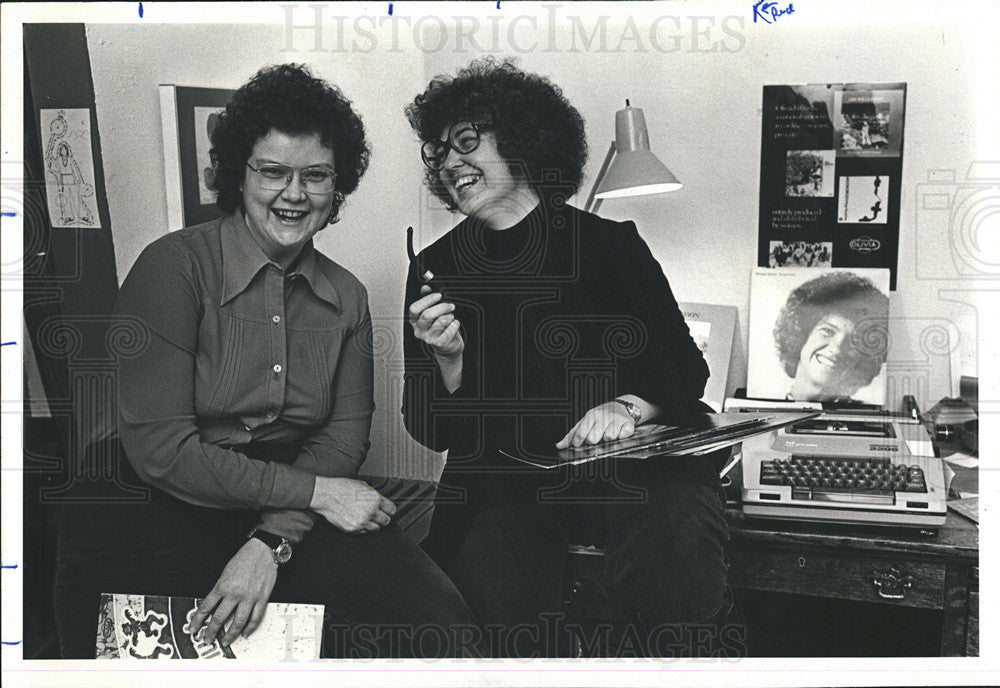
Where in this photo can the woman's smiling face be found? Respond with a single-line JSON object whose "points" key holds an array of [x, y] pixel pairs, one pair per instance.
{"points": [[828, 357], [481, 182], [283, 221]]}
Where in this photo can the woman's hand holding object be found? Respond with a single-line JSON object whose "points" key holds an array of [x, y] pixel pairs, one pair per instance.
{"points": [[240, 594], [435, 324]]}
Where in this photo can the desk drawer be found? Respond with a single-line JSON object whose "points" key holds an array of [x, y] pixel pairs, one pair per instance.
{"points": [[912, 584]]}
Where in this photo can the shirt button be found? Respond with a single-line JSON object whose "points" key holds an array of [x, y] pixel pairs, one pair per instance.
{"points": [[276, 318], [277, 368], [247, 428]]}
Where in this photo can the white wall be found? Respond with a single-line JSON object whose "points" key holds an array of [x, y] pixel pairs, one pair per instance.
{"points": [[703, 112]]}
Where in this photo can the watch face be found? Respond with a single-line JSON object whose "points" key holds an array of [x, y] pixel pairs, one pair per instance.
{"points": [[632, 409], [283, 552]]}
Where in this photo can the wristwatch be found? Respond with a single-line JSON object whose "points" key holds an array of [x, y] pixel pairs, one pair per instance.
{"points": [[281, 549], [633, 410]]}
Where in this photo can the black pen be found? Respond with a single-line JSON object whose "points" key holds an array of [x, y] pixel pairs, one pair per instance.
{"points": [[426, 275]]}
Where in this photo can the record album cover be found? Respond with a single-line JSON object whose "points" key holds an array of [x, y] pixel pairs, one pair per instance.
{"points": [[156, 627], [819, 334]]}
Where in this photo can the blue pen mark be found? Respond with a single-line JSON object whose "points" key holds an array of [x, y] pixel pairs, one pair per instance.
{"points": [[8, 344], [498, 4], [140, 10], [9, 566], [390, 9], [9, 213], [10, 642], [768, 12]]}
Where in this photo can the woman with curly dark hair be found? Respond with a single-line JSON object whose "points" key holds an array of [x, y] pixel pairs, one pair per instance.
{"points": [[246, 415], [831, 336], [545, 322]]}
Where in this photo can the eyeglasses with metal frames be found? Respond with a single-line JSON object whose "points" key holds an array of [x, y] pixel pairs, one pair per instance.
{"points": [[276, 177]]}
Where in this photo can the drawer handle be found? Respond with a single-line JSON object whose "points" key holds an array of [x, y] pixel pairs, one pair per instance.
{"points": [[892, 584]]}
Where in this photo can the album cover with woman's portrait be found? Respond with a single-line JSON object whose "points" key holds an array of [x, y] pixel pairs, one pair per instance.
{"points": [[819, 334]]}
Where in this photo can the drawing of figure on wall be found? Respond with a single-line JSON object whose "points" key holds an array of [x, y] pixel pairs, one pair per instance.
{"points": [[72, 188], [57, 131], [69, 167]]}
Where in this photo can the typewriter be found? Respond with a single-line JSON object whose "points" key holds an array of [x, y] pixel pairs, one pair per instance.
{"points": [[861, 467]]}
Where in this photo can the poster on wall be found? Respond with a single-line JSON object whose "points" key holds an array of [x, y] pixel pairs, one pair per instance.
{"points": [[69, 167], [188, 115], [830, 169], [819, 334]]}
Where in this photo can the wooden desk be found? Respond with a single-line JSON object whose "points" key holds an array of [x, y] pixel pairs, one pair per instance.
{"points": [[939, 572], [842, 562]]}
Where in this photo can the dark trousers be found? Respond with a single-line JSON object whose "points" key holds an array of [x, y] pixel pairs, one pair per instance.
{"points": [[383, 595], [502, 537]]}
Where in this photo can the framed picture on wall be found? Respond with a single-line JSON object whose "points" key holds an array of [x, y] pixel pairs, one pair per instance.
{"points": [[188, 114]]}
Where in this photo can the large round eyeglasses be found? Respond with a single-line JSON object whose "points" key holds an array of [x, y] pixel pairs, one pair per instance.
{"points": [[275, 177], [463, 137]]}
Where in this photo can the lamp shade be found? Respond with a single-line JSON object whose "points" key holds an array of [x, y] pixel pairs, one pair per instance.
{"points": [[634, 171]]}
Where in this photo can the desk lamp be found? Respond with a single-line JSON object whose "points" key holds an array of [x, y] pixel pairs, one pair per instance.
{"points": [[630, 168]]}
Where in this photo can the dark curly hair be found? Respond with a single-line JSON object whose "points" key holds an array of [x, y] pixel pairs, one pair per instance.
{"points": [[842, 293], [536, 128], [287, 98]]}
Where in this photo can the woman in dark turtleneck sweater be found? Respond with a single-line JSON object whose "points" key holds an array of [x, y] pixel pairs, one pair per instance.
{"points": [[547, 323]]}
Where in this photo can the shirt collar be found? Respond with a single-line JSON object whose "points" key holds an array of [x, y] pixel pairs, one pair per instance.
{"points": [[242, 259]]}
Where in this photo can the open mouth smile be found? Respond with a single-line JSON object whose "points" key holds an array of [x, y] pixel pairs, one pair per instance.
{"points": [[826, 361], [466, 181], [289, 216]]}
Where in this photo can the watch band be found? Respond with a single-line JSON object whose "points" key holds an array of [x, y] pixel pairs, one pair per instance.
{"points": [[281, 549], [633, 410]]}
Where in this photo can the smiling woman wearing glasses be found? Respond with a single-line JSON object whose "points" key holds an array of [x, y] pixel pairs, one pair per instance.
{"points": [[247, 413], [558, 327]]}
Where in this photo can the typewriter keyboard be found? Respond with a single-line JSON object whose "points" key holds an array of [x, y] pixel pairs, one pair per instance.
{"points": [[810, 477]]}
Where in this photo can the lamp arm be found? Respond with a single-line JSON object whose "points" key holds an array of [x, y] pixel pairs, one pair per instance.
{"points": [[591, 206]]}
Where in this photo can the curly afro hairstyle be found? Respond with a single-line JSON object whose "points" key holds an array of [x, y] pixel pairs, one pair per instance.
{"points": [[843, 293], [536, 128], [287, 98]]}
